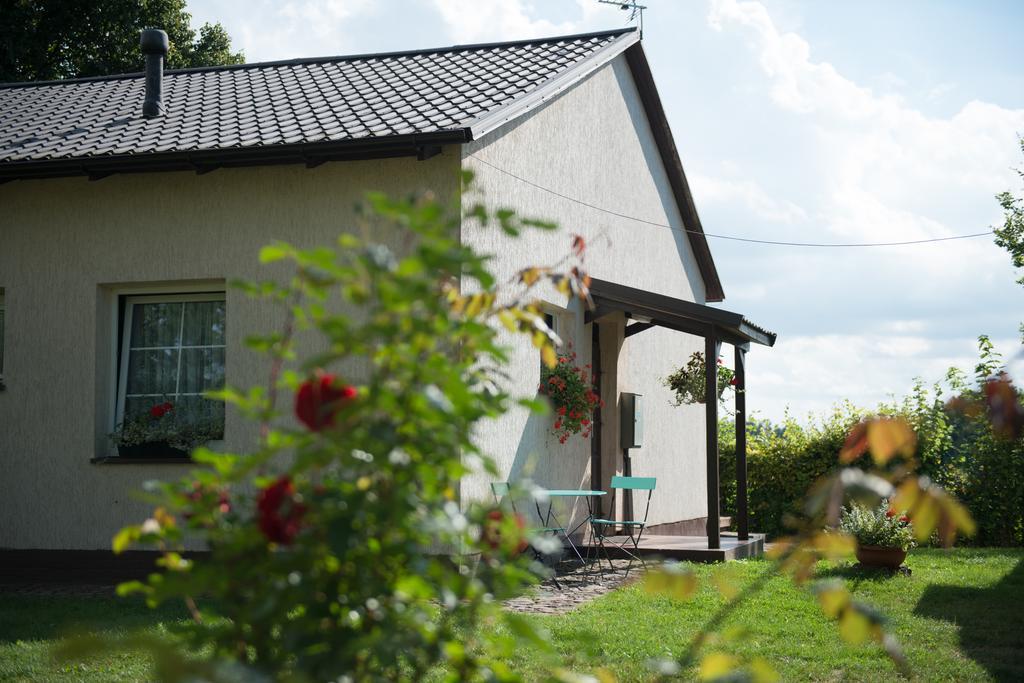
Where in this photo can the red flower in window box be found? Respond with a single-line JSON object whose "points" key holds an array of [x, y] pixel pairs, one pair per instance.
{"points": [[158, 411], [280, 511], [319, 400]]}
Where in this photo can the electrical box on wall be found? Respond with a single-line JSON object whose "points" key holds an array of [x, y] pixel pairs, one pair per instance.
{"points": [[631, 424]]}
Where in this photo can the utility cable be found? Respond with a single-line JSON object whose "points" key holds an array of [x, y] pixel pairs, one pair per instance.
{"points": [[730, 237]]}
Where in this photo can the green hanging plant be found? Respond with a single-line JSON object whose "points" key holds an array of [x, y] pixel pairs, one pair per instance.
{"points": [[688, 381]]}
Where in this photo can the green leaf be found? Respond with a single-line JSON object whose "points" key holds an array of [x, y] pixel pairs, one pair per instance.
{"points": [[275, 252], [125, 537]]}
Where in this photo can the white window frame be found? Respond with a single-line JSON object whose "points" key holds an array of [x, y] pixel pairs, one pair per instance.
{"points": [[126, 337], [562, 319]]}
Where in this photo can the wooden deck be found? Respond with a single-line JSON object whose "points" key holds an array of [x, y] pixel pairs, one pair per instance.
{"points": [[695, 548]]}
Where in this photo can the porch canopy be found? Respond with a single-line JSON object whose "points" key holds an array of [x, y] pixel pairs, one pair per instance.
{"points": [[715, 325]]}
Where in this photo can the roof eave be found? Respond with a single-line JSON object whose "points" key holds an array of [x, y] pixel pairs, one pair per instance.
{"points": [[202, 161], [644, 80]]}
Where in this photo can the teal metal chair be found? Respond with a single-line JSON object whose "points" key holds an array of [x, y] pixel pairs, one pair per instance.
{"points": [[633, 529], [502, 491]]}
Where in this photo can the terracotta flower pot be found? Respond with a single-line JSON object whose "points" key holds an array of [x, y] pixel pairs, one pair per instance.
{"points": [[880, 556]]}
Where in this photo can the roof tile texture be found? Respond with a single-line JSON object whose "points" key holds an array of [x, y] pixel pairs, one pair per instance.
{"points": [[308, 101]]}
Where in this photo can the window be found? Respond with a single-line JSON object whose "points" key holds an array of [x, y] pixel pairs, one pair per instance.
{"points": [[172, 350], [555, 322]]}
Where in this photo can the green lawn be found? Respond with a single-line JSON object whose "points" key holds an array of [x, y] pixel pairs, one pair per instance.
{"points": [[958, 616]]}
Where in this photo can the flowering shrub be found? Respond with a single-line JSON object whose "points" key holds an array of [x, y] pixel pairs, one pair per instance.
{"points": [[279, 511], [881, 526], [688, 381], [570, 390], [163, 424], [318, 401], [324, 538], [504, 531]]}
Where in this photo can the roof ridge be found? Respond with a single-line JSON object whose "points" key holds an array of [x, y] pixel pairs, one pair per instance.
{"points": [[334, 58]]}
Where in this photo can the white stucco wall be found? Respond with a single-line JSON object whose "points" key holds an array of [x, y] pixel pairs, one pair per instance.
{"points": [[594, 144], [68, 246]]}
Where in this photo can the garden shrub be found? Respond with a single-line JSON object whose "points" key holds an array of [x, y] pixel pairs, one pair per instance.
{"points": [[339, 549], [958, 449]]}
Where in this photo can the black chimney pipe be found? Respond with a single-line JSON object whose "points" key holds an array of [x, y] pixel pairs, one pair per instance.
{"points": [[154, 45]]}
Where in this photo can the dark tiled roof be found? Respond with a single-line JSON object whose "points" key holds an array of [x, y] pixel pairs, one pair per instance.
{"points": [[463, 89]]}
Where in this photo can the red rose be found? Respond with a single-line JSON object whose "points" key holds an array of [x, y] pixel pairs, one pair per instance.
{"points": [[493, 532], [905, 519], [733, 381], [561, 410], [279, 513], [319, 399], [160, 410], [584, 422], [890, 513]]}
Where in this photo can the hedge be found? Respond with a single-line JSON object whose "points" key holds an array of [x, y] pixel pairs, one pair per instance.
{"points": [[959, 452]]}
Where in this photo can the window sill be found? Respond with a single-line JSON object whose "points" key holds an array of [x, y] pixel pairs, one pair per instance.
{"points": [[118, 460]]}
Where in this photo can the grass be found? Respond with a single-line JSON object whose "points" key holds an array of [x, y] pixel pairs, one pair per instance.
{"points": [[31, 625], [958, 618]]}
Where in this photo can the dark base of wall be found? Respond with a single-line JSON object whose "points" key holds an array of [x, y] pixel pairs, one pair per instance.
{"points": [[98, 567], [687, 527]]}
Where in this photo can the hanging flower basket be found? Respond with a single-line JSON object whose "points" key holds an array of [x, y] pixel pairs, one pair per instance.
{"points": [[570, 390], [688, 382]]}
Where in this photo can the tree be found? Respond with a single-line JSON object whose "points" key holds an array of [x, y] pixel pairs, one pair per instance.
{"points": [[1011, 235], [50, 39]]}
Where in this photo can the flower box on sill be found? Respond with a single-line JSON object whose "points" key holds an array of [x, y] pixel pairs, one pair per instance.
{"points": [[152, 449]]}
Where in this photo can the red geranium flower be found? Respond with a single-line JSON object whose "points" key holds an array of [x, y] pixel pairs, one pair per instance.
{"points": [[279, 512], [319, 399], [492, 531], [890, 513], [159, 411]]}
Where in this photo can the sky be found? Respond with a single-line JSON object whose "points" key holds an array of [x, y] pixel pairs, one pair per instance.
{"points": [[828, 122]]}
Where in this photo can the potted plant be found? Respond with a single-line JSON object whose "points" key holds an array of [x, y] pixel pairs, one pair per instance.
{"points": [[883, 535], [570, 390], [161, 432], [688, 381]]}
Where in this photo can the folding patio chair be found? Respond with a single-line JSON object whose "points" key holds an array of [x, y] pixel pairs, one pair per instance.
{"points": [[503, 490], [633, 528]]}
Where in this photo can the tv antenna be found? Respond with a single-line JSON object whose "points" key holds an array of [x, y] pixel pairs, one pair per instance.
{"points": [[636, 11]]}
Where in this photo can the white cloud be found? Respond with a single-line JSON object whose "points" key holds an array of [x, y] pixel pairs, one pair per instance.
{"points": [[807, 373], [484, 20], [708, 189], [876, 170], [941, 90]]}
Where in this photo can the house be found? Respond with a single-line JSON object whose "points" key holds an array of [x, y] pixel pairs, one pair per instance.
{"points": [[129, 202]]}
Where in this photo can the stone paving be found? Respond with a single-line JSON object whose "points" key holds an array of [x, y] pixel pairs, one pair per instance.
{"points": [[576, 586]]}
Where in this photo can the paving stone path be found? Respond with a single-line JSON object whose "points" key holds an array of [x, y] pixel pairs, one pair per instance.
{"points": [[576, 586]]}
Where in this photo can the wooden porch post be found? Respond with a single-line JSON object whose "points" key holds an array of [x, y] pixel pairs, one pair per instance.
{"points": [[741, 443], [711, 346]]}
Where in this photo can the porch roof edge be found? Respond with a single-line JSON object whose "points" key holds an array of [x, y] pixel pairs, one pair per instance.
{"points": [[677, 314]]}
